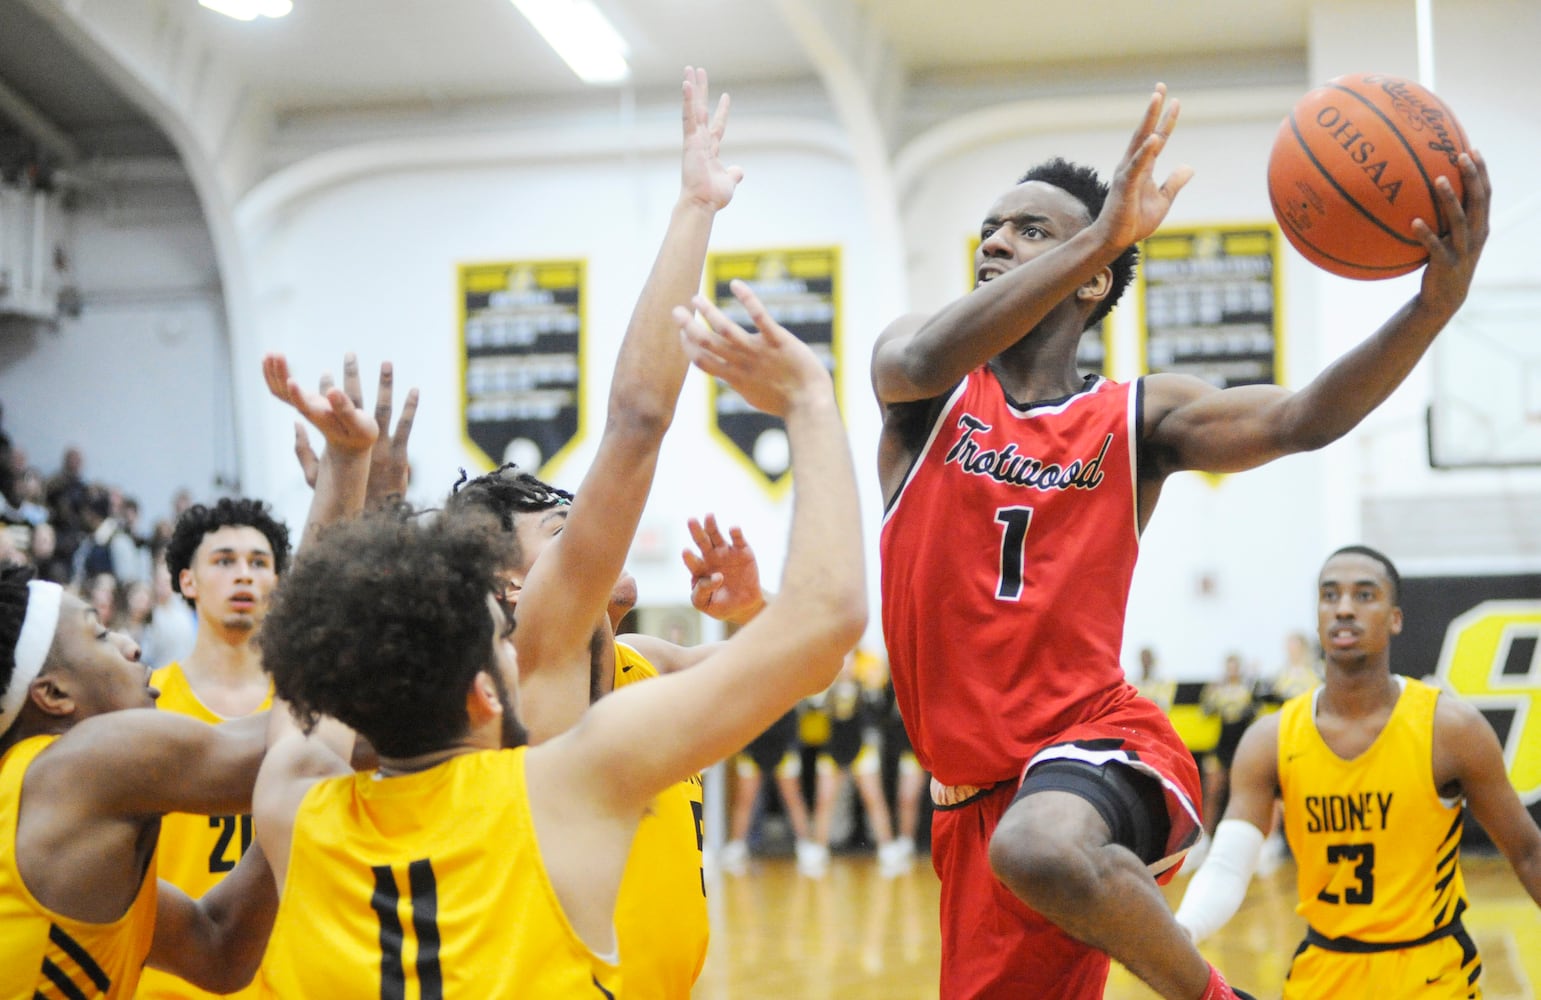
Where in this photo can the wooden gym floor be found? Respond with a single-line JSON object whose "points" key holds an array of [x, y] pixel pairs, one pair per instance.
{"points": [[854, 935]]}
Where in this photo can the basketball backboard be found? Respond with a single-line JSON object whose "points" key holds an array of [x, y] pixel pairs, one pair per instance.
{"points": [[1486, 406]]}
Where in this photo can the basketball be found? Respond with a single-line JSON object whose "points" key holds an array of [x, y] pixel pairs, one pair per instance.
{"points": [[1354, 164]]}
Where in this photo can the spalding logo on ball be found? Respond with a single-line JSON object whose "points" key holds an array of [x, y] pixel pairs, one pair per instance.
{"points": [[1354, 164]]}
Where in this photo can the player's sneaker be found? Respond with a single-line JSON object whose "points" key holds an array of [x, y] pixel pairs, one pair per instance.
{"points": [[734, 857], [895, 857], [812, 859], [1272, 856]]}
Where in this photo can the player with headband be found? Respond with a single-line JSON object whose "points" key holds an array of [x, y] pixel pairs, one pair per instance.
{"points": [[81, 909]]}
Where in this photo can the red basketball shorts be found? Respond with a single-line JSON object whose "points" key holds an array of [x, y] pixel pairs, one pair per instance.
{"points": [[994, 946]]}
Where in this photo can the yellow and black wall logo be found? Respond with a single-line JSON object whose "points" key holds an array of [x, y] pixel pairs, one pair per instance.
{"points": [[1480, 636]]}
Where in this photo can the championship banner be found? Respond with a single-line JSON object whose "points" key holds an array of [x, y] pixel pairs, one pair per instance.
{"points": [[521, 327], [800, 289], [1094, 351], [1480, 637], [1209, 302]]}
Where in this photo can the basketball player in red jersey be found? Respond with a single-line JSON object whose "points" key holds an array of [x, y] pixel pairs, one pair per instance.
{"points": [[1062, 795]]}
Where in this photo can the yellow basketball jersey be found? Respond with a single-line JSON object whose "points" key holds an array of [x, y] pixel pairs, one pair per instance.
{"points": [[425, 885], [660, 914], [194, 852], [1378, 850], [43, 954]]}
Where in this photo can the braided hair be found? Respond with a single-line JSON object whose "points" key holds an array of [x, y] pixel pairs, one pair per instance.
{"points": [[505, 493]]}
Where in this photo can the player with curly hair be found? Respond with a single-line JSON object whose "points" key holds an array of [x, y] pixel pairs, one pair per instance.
{"points": [[225, 559], [568, 653], [469, 863]]}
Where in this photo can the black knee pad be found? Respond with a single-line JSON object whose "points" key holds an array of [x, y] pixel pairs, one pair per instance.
{"points": [[1130, 803]]}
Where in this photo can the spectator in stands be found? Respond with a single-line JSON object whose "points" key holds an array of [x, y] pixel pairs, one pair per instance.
{"points": [[138, 603], [130, 553], [173, 626], [7, 465], [106, 598], [160, 537], [107, 547], [30, 503], [851, 751], [1301, 670], [50, 565], [66, 495], [10, 555], [93, 550], [1232, 700], [1150, 684]]}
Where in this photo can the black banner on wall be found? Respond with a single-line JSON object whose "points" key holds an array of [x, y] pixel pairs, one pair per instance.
{"points": [[801, 290], [1209, 299], [522, 337]]}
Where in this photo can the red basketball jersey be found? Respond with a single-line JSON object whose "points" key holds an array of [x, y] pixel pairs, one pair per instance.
{"points": [[1006, 560]]}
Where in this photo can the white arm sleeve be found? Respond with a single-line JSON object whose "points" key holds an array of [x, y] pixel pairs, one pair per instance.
{"points": [[1220, 884]]}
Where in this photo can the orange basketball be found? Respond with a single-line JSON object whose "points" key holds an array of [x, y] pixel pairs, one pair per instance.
{"points": [[1354, 164]]}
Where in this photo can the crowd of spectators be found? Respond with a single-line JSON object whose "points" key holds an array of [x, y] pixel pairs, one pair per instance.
{"points": [[91, 538]]}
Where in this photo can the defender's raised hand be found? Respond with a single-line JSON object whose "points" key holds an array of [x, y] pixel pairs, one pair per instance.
{"points": [[770, 369], [724, 576], [704, 178], [1136, 204], [389, 470]]}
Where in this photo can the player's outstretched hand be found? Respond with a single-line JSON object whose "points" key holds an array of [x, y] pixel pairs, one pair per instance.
{"points": [[771, 369], [1453, 257], [1136, 204], [704, 178], [339, 415], [389, 470], [724, 576], [336, 412]]}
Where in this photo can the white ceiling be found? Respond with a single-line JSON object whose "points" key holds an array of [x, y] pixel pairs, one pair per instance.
{"points": [[333, 54], [340, 53], [336, 57], [945, 35]]}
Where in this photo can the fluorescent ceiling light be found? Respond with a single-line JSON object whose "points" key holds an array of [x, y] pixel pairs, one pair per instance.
{"points": [[247, 10], [582, 35]]}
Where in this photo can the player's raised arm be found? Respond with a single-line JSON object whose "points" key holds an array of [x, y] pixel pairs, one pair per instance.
{"points": [[342, 472], [1191, 425], [1026, 265], [567, 591], [795, 647]]}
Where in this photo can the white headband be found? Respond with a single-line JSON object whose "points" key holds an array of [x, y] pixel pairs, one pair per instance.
{"points": [[37, 637]]}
